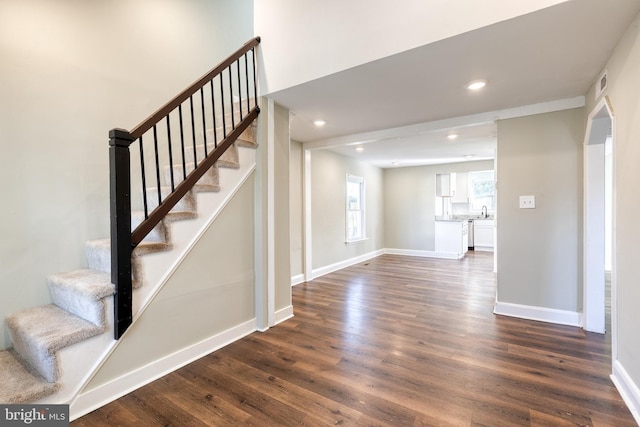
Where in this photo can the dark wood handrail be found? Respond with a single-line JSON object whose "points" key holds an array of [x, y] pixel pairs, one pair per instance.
{"points": [[185, 94]]}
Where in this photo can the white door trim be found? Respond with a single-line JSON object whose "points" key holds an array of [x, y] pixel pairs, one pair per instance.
{"points": [[593, 234]]}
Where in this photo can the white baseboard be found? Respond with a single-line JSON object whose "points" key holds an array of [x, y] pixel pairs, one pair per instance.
{"points": [[542, 314], [419, 253], [90, 400], [283, 314], [346, 263], [627, 388], [297, 279]]}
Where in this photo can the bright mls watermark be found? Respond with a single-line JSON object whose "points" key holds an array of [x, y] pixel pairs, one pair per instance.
{"points": [[34, 415]]}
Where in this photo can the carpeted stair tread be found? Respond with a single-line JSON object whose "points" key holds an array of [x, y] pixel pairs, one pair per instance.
{"points": [[143, 248], [246, 144], [19, 384], [186, 204], [80, 292], [230, 158], [159, 232], [38, 333], [178, 216], [209, 182], [206, 188], [247, 136]]}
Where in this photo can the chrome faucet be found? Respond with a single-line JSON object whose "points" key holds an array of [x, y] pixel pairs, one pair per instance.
{"points": [[484, 211]]}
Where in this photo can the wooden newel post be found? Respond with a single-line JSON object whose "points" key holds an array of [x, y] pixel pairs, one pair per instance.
{"points": [[121, 247]]}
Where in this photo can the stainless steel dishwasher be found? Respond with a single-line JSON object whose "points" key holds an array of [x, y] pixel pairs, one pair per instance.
{"points": [[470, 235]]}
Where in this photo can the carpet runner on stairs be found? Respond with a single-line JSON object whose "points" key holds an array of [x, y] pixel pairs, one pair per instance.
{"points": [[30, 370]]}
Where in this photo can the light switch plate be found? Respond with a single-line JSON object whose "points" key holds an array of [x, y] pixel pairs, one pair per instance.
{"points": [[527, 202]]}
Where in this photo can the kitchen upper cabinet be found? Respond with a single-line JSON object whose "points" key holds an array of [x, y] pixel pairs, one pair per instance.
{"points": [[445, 184], [461, 188], [483, 234]]}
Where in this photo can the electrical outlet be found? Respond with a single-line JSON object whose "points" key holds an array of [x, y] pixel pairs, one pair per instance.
{"points": [[527, 202]]}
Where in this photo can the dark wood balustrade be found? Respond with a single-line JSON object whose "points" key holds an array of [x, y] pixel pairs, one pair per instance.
{"points": [[227, 98]]}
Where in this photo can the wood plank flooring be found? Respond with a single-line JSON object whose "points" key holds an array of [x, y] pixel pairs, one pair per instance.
{"points": [[394, 341]]}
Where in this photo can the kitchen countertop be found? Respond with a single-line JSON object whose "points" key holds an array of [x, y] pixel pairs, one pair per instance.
{"points": [[461, 218], [471, 217]]}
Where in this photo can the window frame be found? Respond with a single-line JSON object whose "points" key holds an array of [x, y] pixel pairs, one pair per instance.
{"points": [[490, 207], [349, 237]]}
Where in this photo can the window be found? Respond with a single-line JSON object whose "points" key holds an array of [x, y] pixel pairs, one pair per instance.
{"points": [[355, 209], [481, 191]]}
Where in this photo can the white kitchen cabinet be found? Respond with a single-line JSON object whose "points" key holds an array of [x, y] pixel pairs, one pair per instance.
{"points": [[451, 238], [461, 188], [483, 234], [445, 184]]}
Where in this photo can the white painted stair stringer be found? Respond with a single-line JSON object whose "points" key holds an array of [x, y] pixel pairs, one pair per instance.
{"points": [[78, 363]]}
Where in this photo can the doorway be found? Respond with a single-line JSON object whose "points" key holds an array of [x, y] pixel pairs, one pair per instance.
{"points": [[599, 200]]}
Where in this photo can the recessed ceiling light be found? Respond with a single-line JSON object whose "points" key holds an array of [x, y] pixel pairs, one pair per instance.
{"points": [[320, 123], [359, 148], [469, 156], [476, 84], [452, 136], [395, 163]]}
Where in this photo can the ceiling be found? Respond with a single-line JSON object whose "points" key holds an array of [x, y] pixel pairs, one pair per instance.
{"points": [[552, 54], [474, 142]]}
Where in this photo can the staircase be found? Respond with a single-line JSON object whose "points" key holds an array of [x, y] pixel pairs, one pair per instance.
{"points": [[78, 322], [59, 346]]}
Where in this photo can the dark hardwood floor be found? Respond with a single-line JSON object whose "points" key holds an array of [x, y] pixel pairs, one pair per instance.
{"points": [[394, 341]]}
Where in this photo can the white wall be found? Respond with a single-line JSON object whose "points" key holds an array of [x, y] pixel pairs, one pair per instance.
{"points": [[624, 95], [328, 208], [305, 40], [409, 213], [540, 258], [296, 208], [71, 70]]}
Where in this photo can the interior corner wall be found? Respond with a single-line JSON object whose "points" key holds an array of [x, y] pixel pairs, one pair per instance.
{"points": [[409, 210], [71, 70], [282, 213], [540, 255], [296, 207], [623, 92], [211, 291], [328, 206]]}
